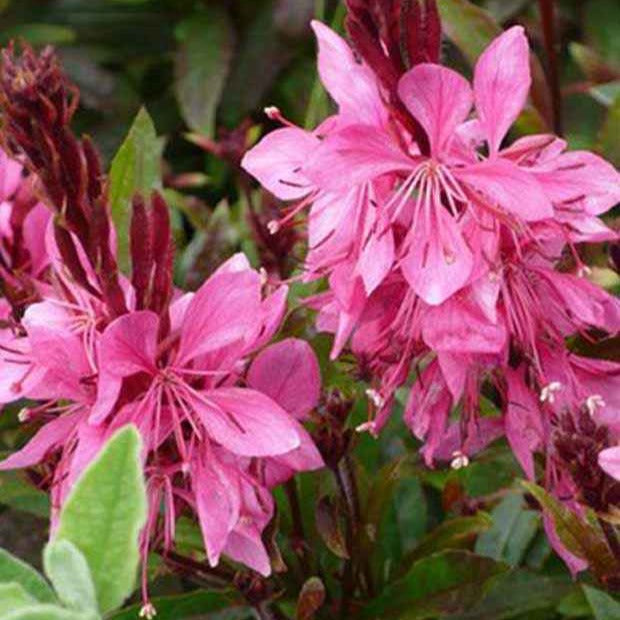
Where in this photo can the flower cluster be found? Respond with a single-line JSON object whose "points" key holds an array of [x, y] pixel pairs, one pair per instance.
{"points": [[218, 407], [453, 256]]}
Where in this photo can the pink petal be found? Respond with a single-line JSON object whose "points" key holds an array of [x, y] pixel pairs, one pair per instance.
{"points": [[609, 460], [437, 266], [288, 372], [278, 469], [459, 326], [129, 344], [245, 545], [49, 437], [511, 188], [501, 84], [353, 156], [247, 422], [351, 84], [216, 493], [224, 310], [10, 176], [523, 422], [580, 180], [439, 98], [272, 311], [376, 260], [277, 159]]}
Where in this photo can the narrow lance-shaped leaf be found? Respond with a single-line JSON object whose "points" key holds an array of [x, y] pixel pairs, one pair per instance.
{"points": [[136, 168], [104, 514], [202, 65]]}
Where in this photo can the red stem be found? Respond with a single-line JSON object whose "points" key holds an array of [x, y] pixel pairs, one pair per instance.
{"points": [[547, 14]]}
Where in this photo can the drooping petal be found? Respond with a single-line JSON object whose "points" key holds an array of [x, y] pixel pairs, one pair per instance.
{"points": [[129, 344], [352, 85], [523, 422], [10, 176], [277, 159], [247, 422], [509, 187], [224, 310], [376, 260], [51, 436], [246, 546], [216, 493], [439, 98], [501, 84], [437, 265], [288, 372]]}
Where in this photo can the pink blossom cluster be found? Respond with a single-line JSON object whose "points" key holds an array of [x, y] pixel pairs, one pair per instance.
{"points": [[23, 220], [455, 261], [219, 408]]}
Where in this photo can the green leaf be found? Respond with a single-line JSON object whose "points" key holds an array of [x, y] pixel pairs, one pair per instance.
{"points": [[471, 29], [609, 144], [104, 514], [136, 168], [579, 536], [202, 64], [604, 607], [46, 612], [451, 534], [13, 569], [601, 24], [512, 532], [187, 605], [68, 571], [443, 583], [19, 494], [519, 593], [13, 596]]}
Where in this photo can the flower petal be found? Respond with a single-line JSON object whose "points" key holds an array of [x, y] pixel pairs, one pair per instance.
{"points": [[288, 372], [501, 84], [277, 159], [439, 98], [247, 422], [437, 266], [129, 344], [218, 501], [351, 84], [224, 310], [609, 460], [511, 188], [47, 438]]}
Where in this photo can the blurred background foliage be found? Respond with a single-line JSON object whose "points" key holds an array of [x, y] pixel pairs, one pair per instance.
{"points": [[204, 70]]}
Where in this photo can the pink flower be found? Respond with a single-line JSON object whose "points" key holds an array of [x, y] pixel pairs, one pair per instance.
{"points": [[609, 460]]}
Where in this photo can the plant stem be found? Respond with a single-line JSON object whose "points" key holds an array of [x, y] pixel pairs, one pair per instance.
{"points": [[298, 537], [217, 577], [547, 14]]}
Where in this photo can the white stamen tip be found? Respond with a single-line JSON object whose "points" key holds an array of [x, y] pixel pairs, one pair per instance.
{"points": [[594, 402], [24, 415], [377, 400], [273, 227], [367, 427], [185, 468], [459, 460], [264, 276], [547, 394], [272, 112], [147, 611], [584, 271]]}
